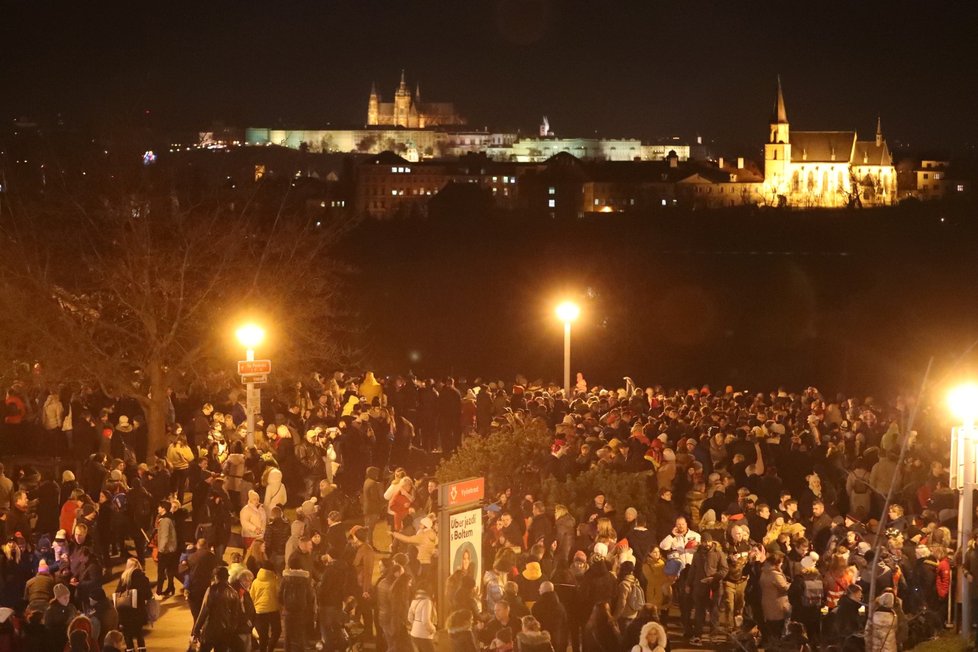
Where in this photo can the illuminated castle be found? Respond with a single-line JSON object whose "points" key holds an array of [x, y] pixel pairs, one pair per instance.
{"points": [[408, 110], [825, 168]]}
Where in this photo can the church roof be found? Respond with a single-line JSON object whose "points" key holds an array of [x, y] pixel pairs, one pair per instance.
{"points": [[822, 146], [867, 152]]}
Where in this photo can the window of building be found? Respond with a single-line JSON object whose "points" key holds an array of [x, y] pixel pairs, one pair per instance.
{"points": [[551, 203], [597, 202], [551, 190], [960, 187], [926, 176]]}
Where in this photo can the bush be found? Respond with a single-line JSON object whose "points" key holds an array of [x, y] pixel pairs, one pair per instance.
{"points": [[622, 490], [510, 457]]}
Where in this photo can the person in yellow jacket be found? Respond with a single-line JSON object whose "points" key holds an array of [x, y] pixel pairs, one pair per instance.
{"points": [[179, 456], [658, 591], [268, 620], [370, 389]]}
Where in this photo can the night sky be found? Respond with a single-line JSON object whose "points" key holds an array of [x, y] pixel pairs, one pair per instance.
{"points": [[646, 69]]}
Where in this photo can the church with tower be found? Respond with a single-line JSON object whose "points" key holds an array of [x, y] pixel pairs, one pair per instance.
{"points": [[407, 110], [832, 169]]}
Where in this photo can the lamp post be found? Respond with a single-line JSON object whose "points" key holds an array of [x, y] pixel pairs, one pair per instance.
{"points": [[567, 312], [250, 336], [963, 401]]}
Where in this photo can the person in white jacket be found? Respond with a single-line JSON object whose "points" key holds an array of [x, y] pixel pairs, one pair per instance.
{"points": [[652, 638], [421, 615], [681, 544], [253, 518], [275, 493]]}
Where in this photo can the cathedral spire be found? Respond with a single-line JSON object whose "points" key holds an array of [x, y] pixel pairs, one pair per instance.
{"points": [[879, 131], [780, 114], [403, 83], [417, 93]]}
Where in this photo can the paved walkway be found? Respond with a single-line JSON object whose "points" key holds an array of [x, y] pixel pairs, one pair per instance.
{"points": [[172, 631]]}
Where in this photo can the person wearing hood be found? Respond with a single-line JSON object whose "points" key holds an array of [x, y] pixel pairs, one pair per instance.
{"points": [[552, 615], [370, 389], [275, 492], [459, 628], [652, 639], [265, 595], [532, 638], [81, 634], [423, 621], [882, 630], [296, 528], [253, 518]]}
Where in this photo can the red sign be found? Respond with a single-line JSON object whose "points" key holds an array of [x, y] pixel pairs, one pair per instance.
{"points": [[254, 367], [463, 492]]}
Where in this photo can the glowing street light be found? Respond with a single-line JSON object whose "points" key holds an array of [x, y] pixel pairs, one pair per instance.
{"points": [[567, 312], [963, 402], [250, 336]]}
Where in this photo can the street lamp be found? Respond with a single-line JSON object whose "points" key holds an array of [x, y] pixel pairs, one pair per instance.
{"points": [[567, 312], [250, 336], [963, 401]]}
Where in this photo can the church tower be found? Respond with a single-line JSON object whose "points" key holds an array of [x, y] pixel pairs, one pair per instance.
{"points": [[373, 106], [879, 132], [402, 104], [777, 151]]}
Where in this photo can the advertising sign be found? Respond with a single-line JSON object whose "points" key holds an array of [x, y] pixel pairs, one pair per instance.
{"points": [[465, 544]]}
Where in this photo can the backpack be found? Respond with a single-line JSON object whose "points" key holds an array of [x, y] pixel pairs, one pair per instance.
{"points": [[812, 593], [119, 502], [636, 597]]}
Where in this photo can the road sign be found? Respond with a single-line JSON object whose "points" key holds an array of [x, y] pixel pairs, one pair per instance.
{"points": [[254, 367], [255, 378], [463, 492]]}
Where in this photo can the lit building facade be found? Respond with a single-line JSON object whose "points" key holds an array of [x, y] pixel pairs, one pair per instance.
{"points": [[407, 110], [830, 169]]}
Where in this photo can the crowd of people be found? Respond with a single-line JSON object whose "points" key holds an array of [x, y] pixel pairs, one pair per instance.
{"points": [[767, 526]]}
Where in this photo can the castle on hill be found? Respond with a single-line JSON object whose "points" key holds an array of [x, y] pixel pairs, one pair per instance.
{"points": [[407, 110]]}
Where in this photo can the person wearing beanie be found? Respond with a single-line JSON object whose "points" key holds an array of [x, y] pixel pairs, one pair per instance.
{"points": [[253, 519], [59, 613], [39, 590]]}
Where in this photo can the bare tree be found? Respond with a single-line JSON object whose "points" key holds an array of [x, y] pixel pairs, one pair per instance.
{"points": [[134, 293]]}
